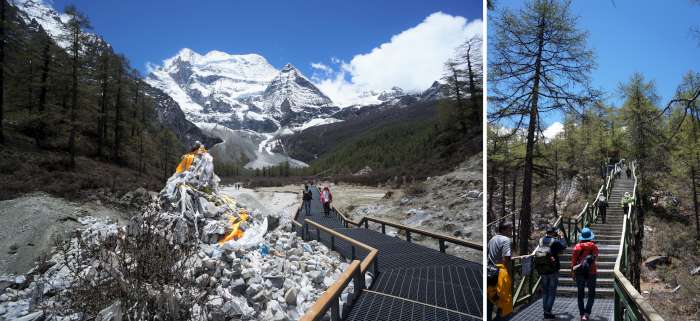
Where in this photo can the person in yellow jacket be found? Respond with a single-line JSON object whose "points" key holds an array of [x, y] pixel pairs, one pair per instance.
{"points": [[500, 295]]}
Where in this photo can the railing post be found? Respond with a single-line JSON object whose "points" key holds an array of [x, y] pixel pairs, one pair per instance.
{"points": [[352, 257], [306, 231], [366, 224], [359, 283], [375, 266], [408, 236], [332, 242], [383, 228], [335, 310], [318, 234], [442, 246]]}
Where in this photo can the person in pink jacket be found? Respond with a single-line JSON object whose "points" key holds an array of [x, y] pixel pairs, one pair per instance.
{"points": [[326, 199]]}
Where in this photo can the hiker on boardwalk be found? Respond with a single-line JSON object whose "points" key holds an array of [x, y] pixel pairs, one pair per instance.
{"points": [[583, 268], [547, 263], [628, 171], [326, 199], [307, 196], [499, 291], [626, 201], [602, 207]]}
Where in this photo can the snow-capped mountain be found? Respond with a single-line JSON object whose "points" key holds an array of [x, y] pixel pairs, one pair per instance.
{"points": [[239, 91], [49, 19]]}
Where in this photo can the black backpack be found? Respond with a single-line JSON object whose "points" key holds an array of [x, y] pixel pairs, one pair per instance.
{"points": [[584, 266], [492, 272], [545, 263]]}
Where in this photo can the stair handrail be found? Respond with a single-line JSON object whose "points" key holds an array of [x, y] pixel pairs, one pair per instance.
{"points": [[629, 303], [528, 284], [357, 270]]}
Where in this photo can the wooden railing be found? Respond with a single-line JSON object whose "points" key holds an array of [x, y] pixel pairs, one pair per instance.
{"points": [[330, 299], [408, 231], [525, 283], [629, 303]]}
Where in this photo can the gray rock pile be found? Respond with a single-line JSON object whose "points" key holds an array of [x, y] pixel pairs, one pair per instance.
{"points": [[259, 275]]}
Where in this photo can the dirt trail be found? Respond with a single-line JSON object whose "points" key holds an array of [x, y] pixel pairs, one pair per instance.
{"points": [[30, 223]]}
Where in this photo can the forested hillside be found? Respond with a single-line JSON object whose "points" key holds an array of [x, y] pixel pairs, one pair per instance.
{"points": [[73, 107]]}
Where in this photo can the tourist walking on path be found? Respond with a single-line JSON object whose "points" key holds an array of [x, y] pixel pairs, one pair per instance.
{"points": [[499, 290], [602, 207], [583, 267], [326, 199], [628, 171], [307, 196], [547, 263]]}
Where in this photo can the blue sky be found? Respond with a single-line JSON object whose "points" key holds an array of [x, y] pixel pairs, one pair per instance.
{"points": [[300, 32], [651, 37]]}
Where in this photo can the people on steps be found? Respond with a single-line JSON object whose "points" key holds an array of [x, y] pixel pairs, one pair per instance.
{"points": [[583, 269]]}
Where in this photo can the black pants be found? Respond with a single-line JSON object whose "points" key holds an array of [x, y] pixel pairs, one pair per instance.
{"points": [[307, 207], [326, 208], [603, 211], [583, 282]]}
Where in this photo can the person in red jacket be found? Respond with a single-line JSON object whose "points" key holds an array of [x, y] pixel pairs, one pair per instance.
{"points": [[326, 199], [584, 270]]}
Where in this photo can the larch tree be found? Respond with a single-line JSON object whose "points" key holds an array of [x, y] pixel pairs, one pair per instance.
{"points": [[539, 63], [77, 22]]}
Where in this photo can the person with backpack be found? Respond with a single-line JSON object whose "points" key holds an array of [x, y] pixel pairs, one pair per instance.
{"points": [[602, 207], [307, 196], [584, 270], [326, 199], [499, 284], [547, 264]]}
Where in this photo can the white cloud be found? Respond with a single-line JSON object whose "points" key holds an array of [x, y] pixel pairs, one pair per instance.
{"points": [[553, 130], [321, 67], [412, 59]]}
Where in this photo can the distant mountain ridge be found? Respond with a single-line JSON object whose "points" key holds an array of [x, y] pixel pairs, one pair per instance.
{"points": [[240, 91]]}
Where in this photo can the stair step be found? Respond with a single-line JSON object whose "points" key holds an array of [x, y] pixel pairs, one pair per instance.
{"points": [[603, 265], [601, 282], [572, 291], [603, 257]]}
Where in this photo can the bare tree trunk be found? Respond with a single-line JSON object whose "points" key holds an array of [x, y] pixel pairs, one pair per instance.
{"points": [[475, 114], [117, 117], [43, 91], [74, 99], [695, 201], [556, 181], [102, 122], [526, 208], [504, 187], [2, 69]]}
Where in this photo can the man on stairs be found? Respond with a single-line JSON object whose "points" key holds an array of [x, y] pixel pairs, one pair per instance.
{"points": [[602, 207], [547, 264], [584, 270]]}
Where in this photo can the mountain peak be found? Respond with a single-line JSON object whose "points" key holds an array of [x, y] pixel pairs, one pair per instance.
{"points": [[187, 54], [289, 68]]}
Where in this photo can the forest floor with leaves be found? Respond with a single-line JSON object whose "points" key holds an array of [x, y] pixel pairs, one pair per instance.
{"points": [[669, 231]]}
